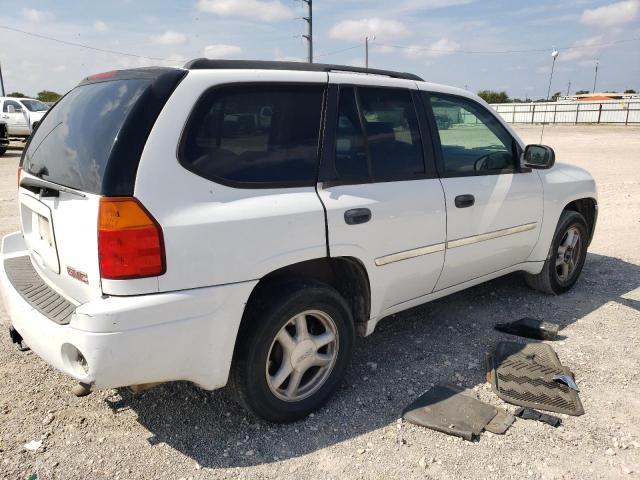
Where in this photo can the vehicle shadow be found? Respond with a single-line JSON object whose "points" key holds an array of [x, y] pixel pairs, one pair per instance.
{"points": [[443, 341]]}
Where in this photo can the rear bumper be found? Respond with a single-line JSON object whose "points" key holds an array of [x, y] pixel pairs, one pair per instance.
{"points": [[184, 335]]}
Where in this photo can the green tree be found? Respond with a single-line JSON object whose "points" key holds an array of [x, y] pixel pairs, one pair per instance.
{"points": [[17, 95], [630, 90], [48, 96], [490, 96], [554, 97], [582, 92]]}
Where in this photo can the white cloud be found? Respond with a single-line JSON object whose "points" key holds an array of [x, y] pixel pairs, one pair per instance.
{"points": [[612, 14], [170, 38], [60, 68], [356, 30], [280, 56], [416, 5], [268, 11], [100, 26], [444, 46], [221, 51], [581, 49], [35, 16]]}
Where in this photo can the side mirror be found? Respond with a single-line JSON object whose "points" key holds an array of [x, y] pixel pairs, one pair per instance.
{"points": [[539, 156], [11, 109]]}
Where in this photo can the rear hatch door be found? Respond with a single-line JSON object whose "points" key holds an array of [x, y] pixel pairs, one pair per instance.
{"points": [[87, 146]]}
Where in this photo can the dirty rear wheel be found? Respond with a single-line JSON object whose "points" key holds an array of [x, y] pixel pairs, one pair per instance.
{"points": [[293, 349], [566, 256]]}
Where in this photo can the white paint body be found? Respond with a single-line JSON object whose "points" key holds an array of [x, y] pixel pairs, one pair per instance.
{"points": [[220, 241]]}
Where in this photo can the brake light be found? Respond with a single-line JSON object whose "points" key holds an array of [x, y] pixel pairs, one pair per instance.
{"points": [[129, 240]]}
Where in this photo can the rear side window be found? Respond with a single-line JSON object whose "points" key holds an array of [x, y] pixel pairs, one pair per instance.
{"points": [[73, 143], [255, 135]]}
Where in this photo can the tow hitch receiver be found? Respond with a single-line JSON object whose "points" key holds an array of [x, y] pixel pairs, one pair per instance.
{"points": [[18, 340]]}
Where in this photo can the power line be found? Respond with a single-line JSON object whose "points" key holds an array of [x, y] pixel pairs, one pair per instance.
{"points": [[89, 47], [532, 50], [326, 54]]}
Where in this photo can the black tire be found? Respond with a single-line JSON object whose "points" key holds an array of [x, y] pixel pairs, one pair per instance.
{"points": [[549, 280], [265, 318], [3, 150]]}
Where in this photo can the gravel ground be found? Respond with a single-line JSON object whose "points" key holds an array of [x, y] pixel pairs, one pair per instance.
{"points": [[179, 431]]}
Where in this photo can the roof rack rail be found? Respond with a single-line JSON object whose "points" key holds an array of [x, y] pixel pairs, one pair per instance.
{"points": [[209, 64]]}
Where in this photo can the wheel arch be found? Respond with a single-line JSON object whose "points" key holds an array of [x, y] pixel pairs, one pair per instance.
{"points": [[588, 208], [347, 275]]}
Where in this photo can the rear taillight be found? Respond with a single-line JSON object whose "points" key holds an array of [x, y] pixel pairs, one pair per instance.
{"points": [[129, 240]]}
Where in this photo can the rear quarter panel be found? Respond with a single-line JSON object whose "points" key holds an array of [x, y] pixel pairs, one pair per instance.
{"points": [[216, 234]]}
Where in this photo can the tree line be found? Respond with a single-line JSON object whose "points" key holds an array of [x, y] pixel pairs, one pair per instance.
{"points": [[491, 96], [44, 96]]}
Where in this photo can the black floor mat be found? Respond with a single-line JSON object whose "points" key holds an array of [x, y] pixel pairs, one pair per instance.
{"points": [[522, 374], [445, 409]]}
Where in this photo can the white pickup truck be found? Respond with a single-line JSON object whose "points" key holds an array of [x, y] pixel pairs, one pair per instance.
{"points": [[21, 115], [160, 241]]}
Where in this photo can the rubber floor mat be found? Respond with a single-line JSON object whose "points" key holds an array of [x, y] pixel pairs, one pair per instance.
{"points": [[522, 374], [445, 409]]}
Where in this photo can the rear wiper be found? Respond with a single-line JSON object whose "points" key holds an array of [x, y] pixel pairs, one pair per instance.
{"points": [[45, 188]]}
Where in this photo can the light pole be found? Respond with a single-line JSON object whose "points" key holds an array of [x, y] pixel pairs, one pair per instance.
{"points": [[366, 50], [554, 54], [595, 77]]}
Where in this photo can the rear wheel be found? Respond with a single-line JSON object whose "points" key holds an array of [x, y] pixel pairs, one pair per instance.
{"points": [[3, 150], [292, 351], [566, 256]]}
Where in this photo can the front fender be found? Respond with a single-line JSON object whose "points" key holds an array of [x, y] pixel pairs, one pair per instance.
{"points": [[561, 185]]}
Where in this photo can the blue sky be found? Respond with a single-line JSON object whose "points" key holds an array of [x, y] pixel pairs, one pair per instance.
{"points": [[432, 38]]}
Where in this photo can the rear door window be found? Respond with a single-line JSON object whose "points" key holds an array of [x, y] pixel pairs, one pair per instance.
{"points": [[377, 136], [393, 135], [255, 135]]}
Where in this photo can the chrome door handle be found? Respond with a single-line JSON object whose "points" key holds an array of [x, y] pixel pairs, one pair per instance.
{"points": [[356, 216]]}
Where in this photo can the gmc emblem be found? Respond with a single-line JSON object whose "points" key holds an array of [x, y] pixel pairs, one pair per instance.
{"points": [[78, 275]]}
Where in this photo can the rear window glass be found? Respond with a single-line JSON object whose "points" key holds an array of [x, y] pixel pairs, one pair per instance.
{"points": [[74, 141], [255, 135]]}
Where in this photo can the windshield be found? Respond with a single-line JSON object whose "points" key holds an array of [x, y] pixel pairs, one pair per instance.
{"points": [[35, 105], [72, 145]]}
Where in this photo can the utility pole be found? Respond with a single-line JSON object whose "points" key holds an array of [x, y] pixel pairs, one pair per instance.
{"points": [[595, 77], [366, 52], [366, 49], [1, 81], [568, 87], [309, 36], [554, 54]]}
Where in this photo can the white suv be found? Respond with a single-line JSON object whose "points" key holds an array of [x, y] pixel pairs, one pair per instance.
{"points": [[238, 221]]}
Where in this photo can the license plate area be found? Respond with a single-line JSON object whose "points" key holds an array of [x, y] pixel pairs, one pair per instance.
{"points": [[37, 228]]}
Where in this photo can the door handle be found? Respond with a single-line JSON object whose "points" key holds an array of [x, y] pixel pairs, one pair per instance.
{"points": [[464, 201], [357, 215]]}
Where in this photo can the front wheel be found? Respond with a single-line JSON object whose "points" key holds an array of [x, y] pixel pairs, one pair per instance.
{"points": [[292, 351], [566, 256]]}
